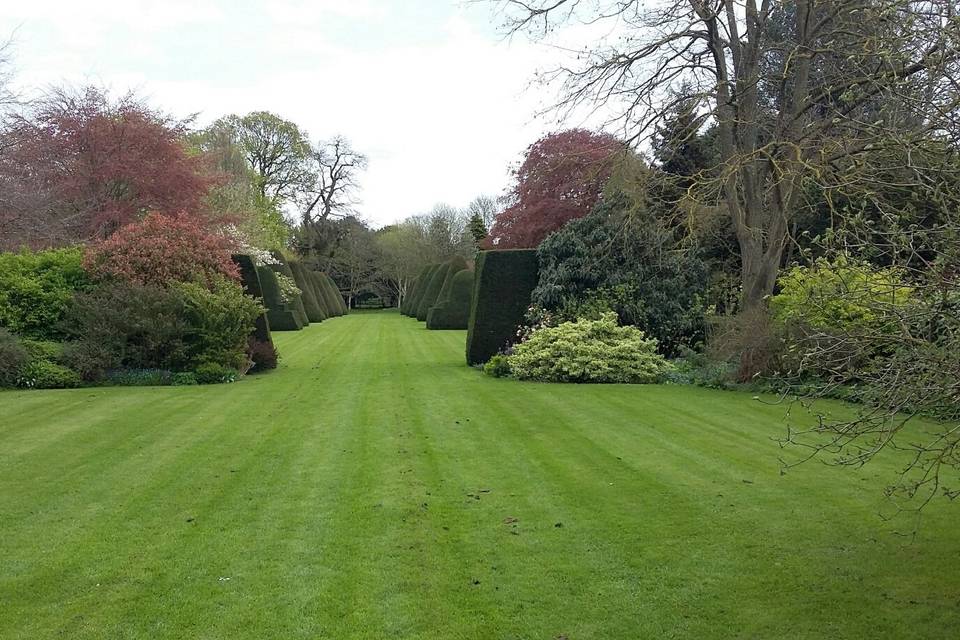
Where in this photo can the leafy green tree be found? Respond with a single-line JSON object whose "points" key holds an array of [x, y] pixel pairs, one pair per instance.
{"points": [[621, 258]]}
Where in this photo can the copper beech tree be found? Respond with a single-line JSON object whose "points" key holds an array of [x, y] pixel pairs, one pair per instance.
{"points": [[802, 94], [561, 178], [78, 166]]}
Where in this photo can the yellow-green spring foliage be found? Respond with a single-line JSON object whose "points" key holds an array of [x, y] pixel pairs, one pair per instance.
{"points": [[588, 351], [840, 296]]}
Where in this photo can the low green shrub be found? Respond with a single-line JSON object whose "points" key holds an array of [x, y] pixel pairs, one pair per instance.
{"points": [[184, 379], [498, 366], [139, 377], [588, 351], [43, 374], [700, 370], [13, 358], [213, 373]]}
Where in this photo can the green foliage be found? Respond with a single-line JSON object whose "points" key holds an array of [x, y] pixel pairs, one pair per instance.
{"points": [[840, 296], [621, 258], [13, 357], [36, 288], [184, 379], [439, 285], [332, 295], [252, 287], [43, 349], [453, 311], [423, 280], [501, 296], [432, 291], [700, 370], [498, 366], [217, 323], [279, 315], [127, 326], [43, 374], [588, 351], [315, 312], [213, 373], [139, 378]]}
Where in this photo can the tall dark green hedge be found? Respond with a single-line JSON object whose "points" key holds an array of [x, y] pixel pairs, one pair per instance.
{"points": [[252, 287], [405, 304], [453, 309], [422, 284], [279, 315], [295, 305], [331, 295], [315, 313], [455, 265], [501, 295], [336, 295], [432, 291], [316, 280]]}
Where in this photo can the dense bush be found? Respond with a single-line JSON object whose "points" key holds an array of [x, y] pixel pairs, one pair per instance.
{"points": [[213, 373], [263, 355], [162, 249], [621, 258], [501, 295], [217, 323], [452, 311], [43, 374], [176, 328], [498, 366], [588, 351], [36, 288], [833, 310], [13, 358]]}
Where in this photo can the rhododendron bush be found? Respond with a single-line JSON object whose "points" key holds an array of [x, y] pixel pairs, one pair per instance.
{"points": [[162, 249]]}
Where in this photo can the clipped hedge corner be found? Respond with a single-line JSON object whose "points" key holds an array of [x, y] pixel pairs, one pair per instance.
{"points": [[501, 295]]}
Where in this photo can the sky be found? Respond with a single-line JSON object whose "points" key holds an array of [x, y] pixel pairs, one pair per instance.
{"points": [[431, 90]]}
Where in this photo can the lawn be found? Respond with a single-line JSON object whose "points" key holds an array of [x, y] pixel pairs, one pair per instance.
{"points": [[376, 487]]}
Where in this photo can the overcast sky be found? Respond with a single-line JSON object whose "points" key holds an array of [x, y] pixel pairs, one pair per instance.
{"points": [[429, 89]]}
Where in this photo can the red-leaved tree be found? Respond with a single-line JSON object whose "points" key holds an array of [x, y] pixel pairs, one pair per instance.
{"points": [[561, 178], [78, 166], [162, 249]]}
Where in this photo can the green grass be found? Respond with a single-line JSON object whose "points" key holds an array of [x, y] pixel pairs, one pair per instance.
{"points": [[375, 487]]}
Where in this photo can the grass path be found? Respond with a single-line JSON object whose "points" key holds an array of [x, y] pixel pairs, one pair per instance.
{"points": [[375, 487]]}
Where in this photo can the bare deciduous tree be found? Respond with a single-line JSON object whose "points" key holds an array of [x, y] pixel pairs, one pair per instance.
{"points": [[801, 93]]}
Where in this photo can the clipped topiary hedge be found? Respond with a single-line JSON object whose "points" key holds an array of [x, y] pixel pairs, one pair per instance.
{"points": [[279, 316], [455, 265], [316, 281], [405, 304], [501, 296], [252, 287], [331, 295], [453, 310], [432, 291], [315, 313], [296, 304], [422, 282], [335, 290]]}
